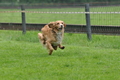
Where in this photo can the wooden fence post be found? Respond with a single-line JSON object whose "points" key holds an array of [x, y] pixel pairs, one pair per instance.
{"points": [[23, 19], [88, 25]]}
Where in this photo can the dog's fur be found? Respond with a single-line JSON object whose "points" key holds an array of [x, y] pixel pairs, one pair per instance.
{"points": [[52, 35]]}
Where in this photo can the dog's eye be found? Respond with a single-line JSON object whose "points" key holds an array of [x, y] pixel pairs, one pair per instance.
{"points": [[57, 23], [62, 23]]}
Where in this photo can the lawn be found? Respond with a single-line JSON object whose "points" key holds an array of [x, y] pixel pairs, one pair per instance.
{"points": [[96, 19], [22, 57]]}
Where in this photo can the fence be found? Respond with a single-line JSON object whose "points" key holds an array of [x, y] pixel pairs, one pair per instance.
{"points": [[104, 19]]}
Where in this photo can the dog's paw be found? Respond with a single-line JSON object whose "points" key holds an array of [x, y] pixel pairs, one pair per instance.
{"points": [[63, 47], [50, 52]]}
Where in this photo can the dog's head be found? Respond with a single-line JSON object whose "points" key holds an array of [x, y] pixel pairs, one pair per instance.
{"points": [[58, 25]]}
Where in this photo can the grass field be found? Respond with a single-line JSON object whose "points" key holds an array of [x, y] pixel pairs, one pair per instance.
{"points": [[96, 19], [22, 57]]}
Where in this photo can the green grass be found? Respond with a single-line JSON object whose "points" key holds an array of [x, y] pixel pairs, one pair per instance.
{"points": [[22, 57], [96, 19]]}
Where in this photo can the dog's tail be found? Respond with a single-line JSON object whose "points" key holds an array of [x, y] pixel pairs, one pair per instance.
{"points": [[41, 38]]}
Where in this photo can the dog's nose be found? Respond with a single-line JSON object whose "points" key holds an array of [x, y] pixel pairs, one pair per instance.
{"points": [[61, 26]]}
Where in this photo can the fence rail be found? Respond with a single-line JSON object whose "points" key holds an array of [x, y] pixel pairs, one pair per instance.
{"points": [[60, 12], [70, 28]]}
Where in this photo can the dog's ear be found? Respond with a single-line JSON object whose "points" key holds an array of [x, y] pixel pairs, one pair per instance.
{"points": [[51, 24], [64, 25]]}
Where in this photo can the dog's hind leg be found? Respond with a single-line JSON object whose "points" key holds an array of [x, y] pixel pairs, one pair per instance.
{"points": [[49, 47]]}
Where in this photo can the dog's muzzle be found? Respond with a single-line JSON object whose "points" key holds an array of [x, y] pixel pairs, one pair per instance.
{"points": [[61, 27]]}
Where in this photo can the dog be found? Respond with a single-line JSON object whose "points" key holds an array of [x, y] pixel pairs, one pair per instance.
{"points": [[52, 35]]}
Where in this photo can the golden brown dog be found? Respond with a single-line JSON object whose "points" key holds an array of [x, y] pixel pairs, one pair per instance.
{"points": [[52, 35]]}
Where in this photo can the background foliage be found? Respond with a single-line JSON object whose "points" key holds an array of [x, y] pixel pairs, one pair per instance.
{"points": [[54, 1]]}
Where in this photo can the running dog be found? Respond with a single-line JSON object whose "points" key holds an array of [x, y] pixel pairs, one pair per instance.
{"points": [[52, 35]]}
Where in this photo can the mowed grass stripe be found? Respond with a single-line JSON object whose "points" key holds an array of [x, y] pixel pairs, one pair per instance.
{"points": [[23, 57]]}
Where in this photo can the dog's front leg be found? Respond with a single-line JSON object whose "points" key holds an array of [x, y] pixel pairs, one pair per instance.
{"points": [[49, 47], [61, 47]]}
